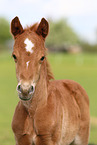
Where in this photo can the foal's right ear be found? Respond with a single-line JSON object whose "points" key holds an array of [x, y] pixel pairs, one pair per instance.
{"points": [[16, 27]]}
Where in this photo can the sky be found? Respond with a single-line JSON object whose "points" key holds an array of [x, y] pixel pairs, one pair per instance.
{"points": [[81, 14]]}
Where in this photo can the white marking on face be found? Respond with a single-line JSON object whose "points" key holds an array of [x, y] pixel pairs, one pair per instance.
{"points": [[27, 63], [29, 45]]}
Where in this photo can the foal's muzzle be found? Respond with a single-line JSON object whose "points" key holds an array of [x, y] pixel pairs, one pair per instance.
{"points": [[25, 92]]}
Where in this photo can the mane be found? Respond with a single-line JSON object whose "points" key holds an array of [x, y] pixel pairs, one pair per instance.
{"points": [[32, 27], [49, 72]]}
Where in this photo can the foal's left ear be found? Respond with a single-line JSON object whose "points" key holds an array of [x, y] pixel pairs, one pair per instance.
{"points": [[43, 28], [16, 27]]}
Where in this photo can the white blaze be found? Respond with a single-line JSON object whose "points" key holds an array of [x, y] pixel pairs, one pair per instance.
{"points": [[29, 45], [27, 63]]}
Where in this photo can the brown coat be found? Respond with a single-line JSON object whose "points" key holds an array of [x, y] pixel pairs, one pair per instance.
{"points": [[57, 113]]}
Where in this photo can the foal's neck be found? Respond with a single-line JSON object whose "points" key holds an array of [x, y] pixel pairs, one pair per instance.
{"points": [[40, 96], [41, 87]]}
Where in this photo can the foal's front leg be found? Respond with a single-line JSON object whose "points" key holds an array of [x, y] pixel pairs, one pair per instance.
{"points": [[22, 126]]}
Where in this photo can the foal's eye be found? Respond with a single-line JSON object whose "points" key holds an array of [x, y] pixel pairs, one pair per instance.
{"points": [[42, 58], [14, 56]]}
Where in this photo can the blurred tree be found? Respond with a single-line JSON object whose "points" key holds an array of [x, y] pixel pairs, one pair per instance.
{"points": [[4, 30], [87, 47], [61, 34]]}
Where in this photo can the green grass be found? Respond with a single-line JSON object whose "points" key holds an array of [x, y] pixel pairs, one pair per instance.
{"points": [[81, 68]]}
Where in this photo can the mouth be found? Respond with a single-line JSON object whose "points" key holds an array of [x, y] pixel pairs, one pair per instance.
{"points": [[25, 98]]}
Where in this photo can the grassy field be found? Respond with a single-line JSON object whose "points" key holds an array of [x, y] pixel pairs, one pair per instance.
{"points": [[81, 68]]}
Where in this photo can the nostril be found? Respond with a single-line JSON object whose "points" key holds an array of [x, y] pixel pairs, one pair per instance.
{"points": [[19, 87], [32, 88]]}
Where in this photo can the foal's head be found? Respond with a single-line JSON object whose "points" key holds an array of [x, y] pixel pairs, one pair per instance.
{"points": [[29, 55]]}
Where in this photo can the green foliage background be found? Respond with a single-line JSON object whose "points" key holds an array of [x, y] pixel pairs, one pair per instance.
{"points": [[4, 30], [61, 34]]}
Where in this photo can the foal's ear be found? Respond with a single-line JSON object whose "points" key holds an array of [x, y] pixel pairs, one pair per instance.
{"points": [[43, 28], [16, 27]]}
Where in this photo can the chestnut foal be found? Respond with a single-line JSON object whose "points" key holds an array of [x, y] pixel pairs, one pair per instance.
{"points": [[50, 112]]}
